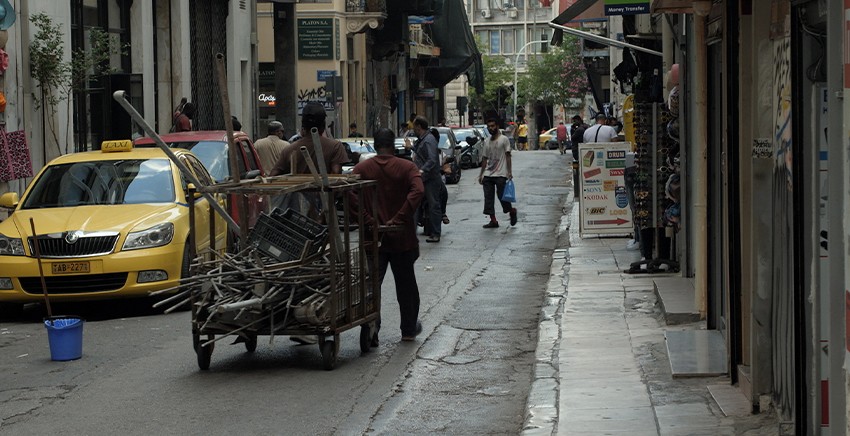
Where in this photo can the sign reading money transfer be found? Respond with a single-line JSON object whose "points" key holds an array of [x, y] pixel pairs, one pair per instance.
{"points": [[604, 204]]}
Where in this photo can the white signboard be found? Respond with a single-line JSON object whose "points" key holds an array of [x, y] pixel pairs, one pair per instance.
{"points": [[604, 204]]}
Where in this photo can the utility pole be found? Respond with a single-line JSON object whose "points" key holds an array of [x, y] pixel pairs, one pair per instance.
{"points": [[285, 60]]}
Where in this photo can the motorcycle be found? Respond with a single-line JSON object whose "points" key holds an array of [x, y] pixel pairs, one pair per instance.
{"points": [[469, 154]]}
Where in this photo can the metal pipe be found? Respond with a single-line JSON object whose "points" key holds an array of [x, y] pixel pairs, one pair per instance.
{"points": [[604, 40], [232, 150], [119, 96]]}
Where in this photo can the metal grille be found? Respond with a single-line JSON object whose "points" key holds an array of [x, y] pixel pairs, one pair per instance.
{"points": [[58, 247], [77, 284], [208, 37]]}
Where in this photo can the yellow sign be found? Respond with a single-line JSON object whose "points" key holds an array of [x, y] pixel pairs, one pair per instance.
{"points": [[115, 146]]}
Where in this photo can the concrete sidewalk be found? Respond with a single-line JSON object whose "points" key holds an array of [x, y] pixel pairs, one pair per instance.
{"points": [[602, 364]]}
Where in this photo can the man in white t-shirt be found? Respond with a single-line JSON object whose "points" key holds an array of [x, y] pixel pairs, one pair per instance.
{"points": [[495, 172], [601, 131]]}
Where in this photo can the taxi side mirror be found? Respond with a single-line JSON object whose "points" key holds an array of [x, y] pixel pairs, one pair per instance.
{"points": [[9, 200]]}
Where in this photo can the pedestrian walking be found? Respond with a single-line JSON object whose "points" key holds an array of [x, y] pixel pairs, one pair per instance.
{"points": [[495, 172], [522, 136], [510, 132], [399, 193], [426, 156], [313, 115], [561, 136], [271, 147], [601, 131]]}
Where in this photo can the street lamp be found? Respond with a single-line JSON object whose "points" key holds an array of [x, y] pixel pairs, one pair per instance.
{"points": [[516, 65]]}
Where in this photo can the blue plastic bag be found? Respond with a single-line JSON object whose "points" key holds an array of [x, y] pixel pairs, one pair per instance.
{"points": [[509, 194]]}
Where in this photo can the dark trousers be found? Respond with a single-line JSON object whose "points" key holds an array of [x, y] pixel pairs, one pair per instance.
{"points": [[494, 186], [406, 289], [433, 189]]}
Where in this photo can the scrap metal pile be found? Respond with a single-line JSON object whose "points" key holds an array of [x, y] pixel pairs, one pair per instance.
{"points": [[282, 280]]}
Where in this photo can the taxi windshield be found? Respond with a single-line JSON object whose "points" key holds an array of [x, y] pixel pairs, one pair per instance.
{"points": [[131, 181]]}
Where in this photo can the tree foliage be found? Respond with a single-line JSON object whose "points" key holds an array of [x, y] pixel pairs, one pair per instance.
{"points": [[497, 77], [57, 78], [557, 77]]}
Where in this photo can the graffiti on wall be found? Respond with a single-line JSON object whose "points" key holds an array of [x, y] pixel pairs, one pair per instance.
{"points": [[782, 106], [318, 95]]}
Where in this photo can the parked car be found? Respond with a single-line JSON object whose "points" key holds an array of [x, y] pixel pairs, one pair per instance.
{"points": [[401, 150], [358, 149], [549, 139], [211, 149], [109, 224], [449, 146]]}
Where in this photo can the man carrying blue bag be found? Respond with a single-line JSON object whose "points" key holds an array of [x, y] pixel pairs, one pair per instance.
{"points": [[495, 173]]}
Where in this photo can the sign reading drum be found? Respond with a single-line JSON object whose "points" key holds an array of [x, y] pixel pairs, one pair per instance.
{"points": [[604, 205]]}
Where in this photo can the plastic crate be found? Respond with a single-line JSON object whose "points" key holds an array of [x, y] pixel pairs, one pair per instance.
{"points": [[301, 224], [272, 240]]}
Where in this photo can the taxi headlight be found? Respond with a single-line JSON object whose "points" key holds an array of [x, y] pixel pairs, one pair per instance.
{"points": [[155, 236], [11, 246]]}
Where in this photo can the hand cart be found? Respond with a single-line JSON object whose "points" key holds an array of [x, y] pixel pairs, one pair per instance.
{"points": [[294, 276]]}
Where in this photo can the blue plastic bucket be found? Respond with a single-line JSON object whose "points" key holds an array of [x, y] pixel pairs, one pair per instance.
{"points": [[65, 336]]}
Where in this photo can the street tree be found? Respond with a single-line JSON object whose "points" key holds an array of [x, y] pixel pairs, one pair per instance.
{"points": [[558, 77], [497, 82]]}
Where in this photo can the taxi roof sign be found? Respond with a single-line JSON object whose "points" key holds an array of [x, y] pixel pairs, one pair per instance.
{"points": [[116, 146]]}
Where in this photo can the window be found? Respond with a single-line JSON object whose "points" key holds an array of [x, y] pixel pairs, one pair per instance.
{"points": [[508, 41], [495, 42], [520, 39]]}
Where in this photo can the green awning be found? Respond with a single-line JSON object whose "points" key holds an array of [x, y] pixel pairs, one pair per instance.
{"points": [[458, 52]]}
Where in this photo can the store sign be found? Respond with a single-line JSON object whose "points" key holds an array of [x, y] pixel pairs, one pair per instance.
{"points": [[425, 94], [315, 38], [626, 7], [604, 202], [324, 75], [267, 99]]}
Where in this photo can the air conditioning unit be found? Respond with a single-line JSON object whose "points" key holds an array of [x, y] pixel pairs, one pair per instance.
{"points": [[512, 13], [486, 13]]}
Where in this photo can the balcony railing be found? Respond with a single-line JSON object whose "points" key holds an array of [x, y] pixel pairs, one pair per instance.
{"points": [[366, 6]]}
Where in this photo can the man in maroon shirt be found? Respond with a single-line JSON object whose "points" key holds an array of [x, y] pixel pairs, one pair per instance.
{"points": [[399, 192]]}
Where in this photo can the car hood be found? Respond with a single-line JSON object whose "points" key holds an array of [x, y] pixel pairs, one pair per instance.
{"points": [[113, 218]]}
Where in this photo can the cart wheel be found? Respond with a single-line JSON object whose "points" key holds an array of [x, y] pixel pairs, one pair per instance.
{"points": [[251, 343], [365, 337], [329, 350], [205, 354]]}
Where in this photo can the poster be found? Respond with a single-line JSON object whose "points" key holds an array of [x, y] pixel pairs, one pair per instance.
{"points": [[604, 204]]}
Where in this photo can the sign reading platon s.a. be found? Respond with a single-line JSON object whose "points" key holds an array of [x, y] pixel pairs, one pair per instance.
{"points": [[626, 7], [604, 203], [315, 38]]}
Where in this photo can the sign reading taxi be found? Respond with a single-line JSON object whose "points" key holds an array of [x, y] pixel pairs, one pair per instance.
{"points": [[605, 210], [116, 146]]}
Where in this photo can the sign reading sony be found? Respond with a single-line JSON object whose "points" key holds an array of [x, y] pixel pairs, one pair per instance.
{"points": [[626, 7]]}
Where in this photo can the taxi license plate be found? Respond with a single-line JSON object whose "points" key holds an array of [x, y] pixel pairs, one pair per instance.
{"points": [[69, 267]]}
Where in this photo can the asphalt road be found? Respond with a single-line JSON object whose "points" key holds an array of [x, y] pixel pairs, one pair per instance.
{"points": [[468, 373]]}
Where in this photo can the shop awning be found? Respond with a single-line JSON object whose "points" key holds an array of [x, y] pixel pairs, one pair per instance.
{"points": [[458, 52]]}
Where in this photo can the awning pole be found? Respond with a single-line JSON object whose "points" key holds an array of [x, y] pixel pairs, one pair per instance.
{"points": [[604, 40]]}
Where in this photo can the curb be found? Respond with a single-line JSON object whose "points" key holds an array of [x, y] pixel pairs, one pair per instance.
{"points": [[541, 409]]}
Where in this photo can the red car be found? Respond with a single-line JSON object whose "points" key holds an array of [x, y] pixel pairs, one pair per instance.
{"points": [[210, 147]]}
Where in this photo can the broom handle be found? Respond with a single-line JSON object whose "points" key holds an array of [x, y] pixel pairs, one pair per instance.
{"points": [[41, 271]]}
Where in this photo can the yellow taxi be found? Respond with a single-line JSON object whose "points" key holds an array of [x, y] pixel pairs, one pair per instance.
{"points": [[109, 223]]}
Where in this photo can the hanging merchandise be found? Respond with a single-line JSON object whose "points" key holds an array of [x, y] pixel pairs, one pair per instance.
{"points": [[15, 162], [2, 102]]}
